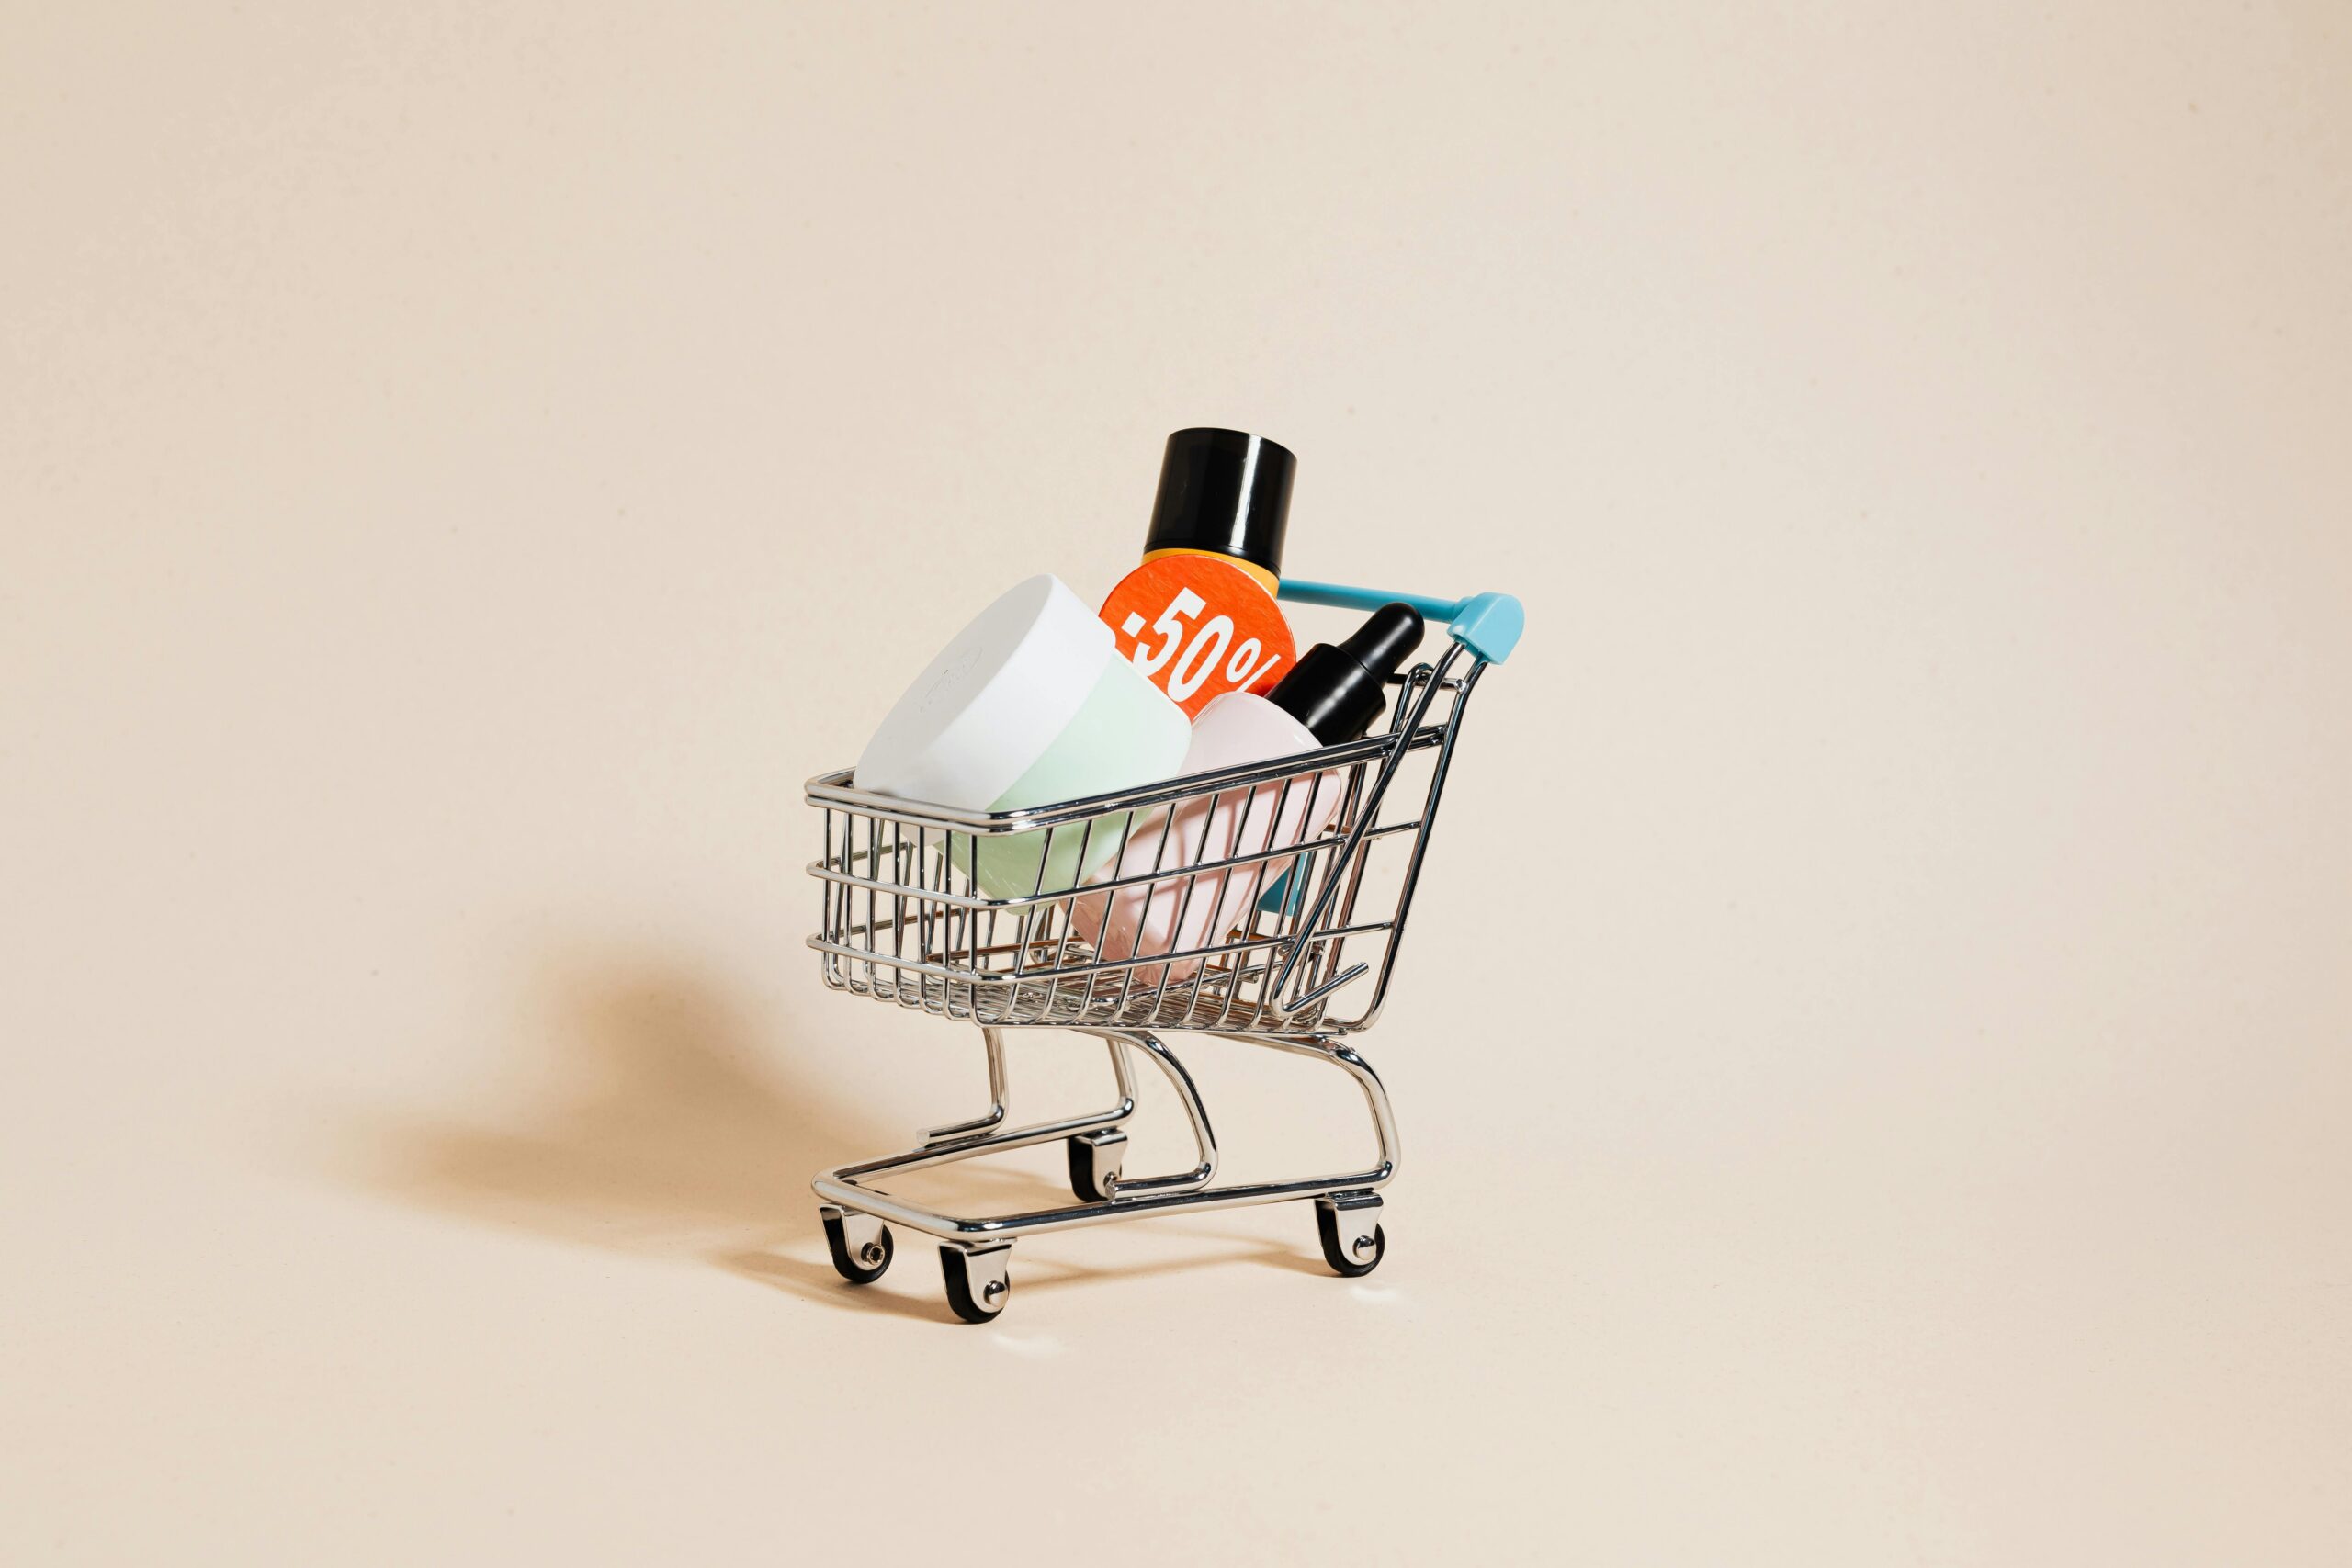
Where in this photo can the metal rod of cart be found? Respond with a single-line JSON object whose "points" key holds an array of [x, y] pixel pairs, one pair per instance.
{"points": [[1306, 967]]}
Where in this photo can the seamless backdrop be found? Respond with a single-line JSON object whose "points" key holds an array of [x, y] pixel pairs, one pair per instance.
{"points": [[1872, 1056]]}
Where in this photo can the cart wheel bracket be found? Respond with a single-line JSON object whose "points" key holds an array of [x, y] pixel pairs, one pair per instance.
{"points": [[978, 1279], [1095, 1160], [860, 1244], [1349, 1225]]}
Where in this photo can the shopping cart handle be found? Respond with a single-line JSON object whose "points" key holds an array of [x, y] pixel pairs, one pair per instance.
{"points": [[1487, 624]]}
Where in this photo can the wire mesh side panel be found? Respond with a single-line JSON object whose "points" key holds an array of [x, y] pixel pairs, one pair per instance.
{"points": [[1256, 907]]}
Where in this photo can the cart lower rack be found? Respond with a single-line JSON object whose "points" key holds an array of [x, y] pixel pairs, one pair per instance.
{"points": [[1304, 969]]}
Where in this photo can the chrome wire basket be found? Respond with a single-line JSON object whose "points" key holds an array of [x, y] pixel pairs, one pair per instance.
{"points": [[1302, 872]]}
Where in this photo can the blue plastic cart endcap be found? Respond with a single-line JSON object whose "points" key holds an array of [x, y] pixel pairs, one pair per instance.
{"points": [[1489, 625]]}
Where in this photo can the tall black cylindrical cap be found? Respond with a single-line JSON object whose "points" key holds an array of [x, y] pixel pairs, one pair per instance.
{"points": [[1337, 692], [1225, 492]]}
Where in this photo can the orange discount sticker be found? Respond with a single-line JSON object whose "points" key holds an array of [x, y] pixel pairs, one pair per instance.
{"points": [[1200, 627]]}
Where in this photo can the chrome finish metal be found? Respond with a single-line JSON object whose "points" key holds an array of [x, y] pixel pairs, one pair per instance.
{"points": [[1203, 1138], [902, 921], [952, 1149], [998, 1100], [847, 1188]]}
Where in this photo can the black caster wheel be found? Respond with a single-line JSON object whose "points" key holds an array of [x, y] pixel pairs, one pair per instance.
{"points": [[1094, 1163], [978, 1284], [1363, 1261], [864, 1265]]}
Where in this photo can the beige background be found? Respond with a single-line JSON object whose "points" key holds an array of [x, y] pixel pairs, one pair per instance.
{"points": [[1872, 1060]]}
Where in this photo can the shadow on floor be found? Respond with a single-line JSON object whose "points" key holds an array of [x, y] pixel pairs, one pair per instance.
{"points": [[678, 1130]]}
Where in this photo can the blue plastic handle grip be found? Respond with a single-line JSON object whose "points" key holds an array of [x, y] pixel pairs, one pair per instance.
{"points": [[1487, 624]]}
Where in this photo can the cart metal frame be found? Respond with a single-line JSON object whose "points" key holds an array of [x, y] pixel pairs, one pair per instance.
{"points": [[903, 921]]}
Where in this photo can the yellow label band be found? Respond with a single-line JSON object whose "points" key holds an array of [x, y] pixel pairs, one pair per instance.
{"points": [[1266, 579]]}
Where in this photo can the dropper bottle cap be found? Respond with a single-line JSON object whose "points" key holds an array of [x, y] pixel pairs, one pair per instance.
{"points": [[1337, 691]]}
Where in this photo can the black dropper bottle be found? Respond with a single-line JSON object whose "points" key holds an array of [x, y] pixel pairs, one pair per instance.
{"points": [[1337, 691]]}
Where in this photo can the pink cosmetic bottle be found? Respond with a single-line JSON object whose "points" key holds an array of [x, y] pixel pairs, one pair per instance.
{"points": [[1332, 695]]}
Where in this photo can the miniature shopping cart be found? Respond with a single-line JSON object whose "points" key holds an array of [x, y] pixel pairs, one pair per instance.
{"points": [[1308, 967]]}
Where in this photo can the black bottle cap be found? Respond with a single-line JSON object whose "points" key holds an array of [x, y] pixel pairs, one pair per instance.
{"points": [[1337, 691], [1225, 492]]}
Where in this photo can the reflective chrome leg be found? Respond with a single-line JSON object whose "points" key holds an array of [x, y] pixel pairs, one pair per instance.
{"points": [[1203, 1138], [998, 1102], [943, 1149]]}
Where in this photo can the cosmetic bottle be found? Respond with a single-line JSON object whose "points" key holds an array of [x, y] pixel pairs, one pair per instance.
{"points": [[1332, 696], [1028, 706], [1198, 616]]}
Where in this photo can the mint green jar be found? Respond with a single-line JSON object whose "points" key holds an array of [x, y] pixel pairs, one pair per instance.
{"points": [[1029, 706]]}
